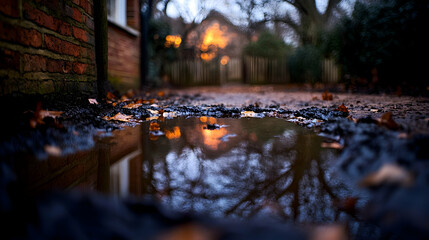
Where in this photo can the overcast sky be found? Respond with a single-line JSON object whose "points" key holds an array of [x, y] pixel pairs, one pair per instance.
{"points": [[225, 6]]}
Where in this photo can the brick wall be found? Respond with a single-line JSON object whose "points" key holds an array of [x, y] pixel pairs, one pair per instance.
{"points": [[47, 47], [123, 50], [123, 63]]}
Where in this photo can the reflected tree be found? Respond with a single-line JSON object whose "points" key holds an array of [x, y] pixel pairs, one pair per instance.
{"points": [[282, 172]]}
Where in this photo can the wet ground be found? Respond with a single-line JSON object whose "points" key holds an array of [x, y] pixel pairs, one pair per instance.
{"points": [[364, 176]]}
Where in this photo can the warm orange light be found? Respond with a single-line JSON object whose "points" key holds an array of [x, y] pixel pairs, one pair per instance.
{"points": [[173, 40], [203, 119], [212, 138], [214, 36], [211, 120], [224, 60], [173, 134]]}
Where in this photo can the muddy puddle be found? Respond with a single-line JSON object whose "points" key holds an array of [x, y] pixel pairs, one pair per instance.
{"points": [[225, 168]]}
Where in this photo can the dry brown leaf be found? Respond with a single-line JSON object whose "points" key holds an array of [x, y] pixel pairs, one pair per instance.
{"points": [[327, 96], [347, 204], [92, 101], [389, 173], [349, 117], [118, 117], [110, 96], [130, 93], [387, 121], [342, 108], [403, 136], [330, 232], [53, 150], [333, 145], [161, 94], [189, 231], [132, 105], [52, 114], [153, 112], [40, 114]]}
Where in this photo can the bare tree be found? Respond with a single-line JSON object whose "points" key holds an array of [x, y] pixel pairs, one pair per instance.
{"points": [[308, 20]]}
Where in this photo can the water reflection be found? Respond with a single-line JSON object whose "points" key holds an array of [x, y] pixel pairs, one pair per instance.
{"points": [[241, 168], [236, 168]]}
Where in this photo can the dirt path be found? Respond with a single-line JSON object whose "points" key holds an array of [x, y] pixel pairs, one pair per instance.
{"points": [[410, 112]]}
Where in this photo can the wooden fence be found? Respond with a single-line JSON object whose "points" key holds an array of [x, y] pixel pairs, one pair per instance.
{"points": [[252, 70], [194, 72], [265, 70], [330, 71]]}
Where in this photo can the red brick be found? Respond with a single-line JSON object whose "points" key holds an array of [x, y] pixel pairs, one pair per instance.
{"points": [[80, 34], [9, 59], [45, 20], [89, 22], [77, 15], [52, 4], [64, 28], [73, 13], [60, 46], [59, 66], [9, 8], [87, 6], [87, 53], [15, 34], [79, 68], [77, 2], [34, 63]]}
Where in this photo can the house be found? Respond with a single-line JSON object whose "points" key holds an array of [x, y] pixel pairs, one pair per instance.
{"points": [[123, 43]]}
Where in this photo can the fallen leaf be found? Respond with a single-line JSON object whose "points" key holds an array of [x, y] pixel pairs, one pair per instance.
{"points": [[342, 108], [327, 96], [388, 174], [132, 105], [53, 150], [152, 118], [333, 145], [153, 126], [92, 101], [251, 114], [124, 98], [387, 121], [169, 114], [347, 204], [52, 114], [330, 232], [118, 117], [130, 93], [188, 231], [40, 114], [403, 136], [349, 117], [153, 112], [161, 94], [110, 96]]}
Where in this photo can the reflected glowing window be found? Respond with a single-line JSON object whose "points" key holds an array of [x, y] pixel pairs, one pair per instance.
{"points": [[173, 40], [224, 60]]}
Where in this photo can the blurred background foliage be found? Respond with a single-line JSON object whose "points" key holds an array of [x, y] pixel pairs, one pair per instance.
{"points": [[381, 43], [268, 45]]}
